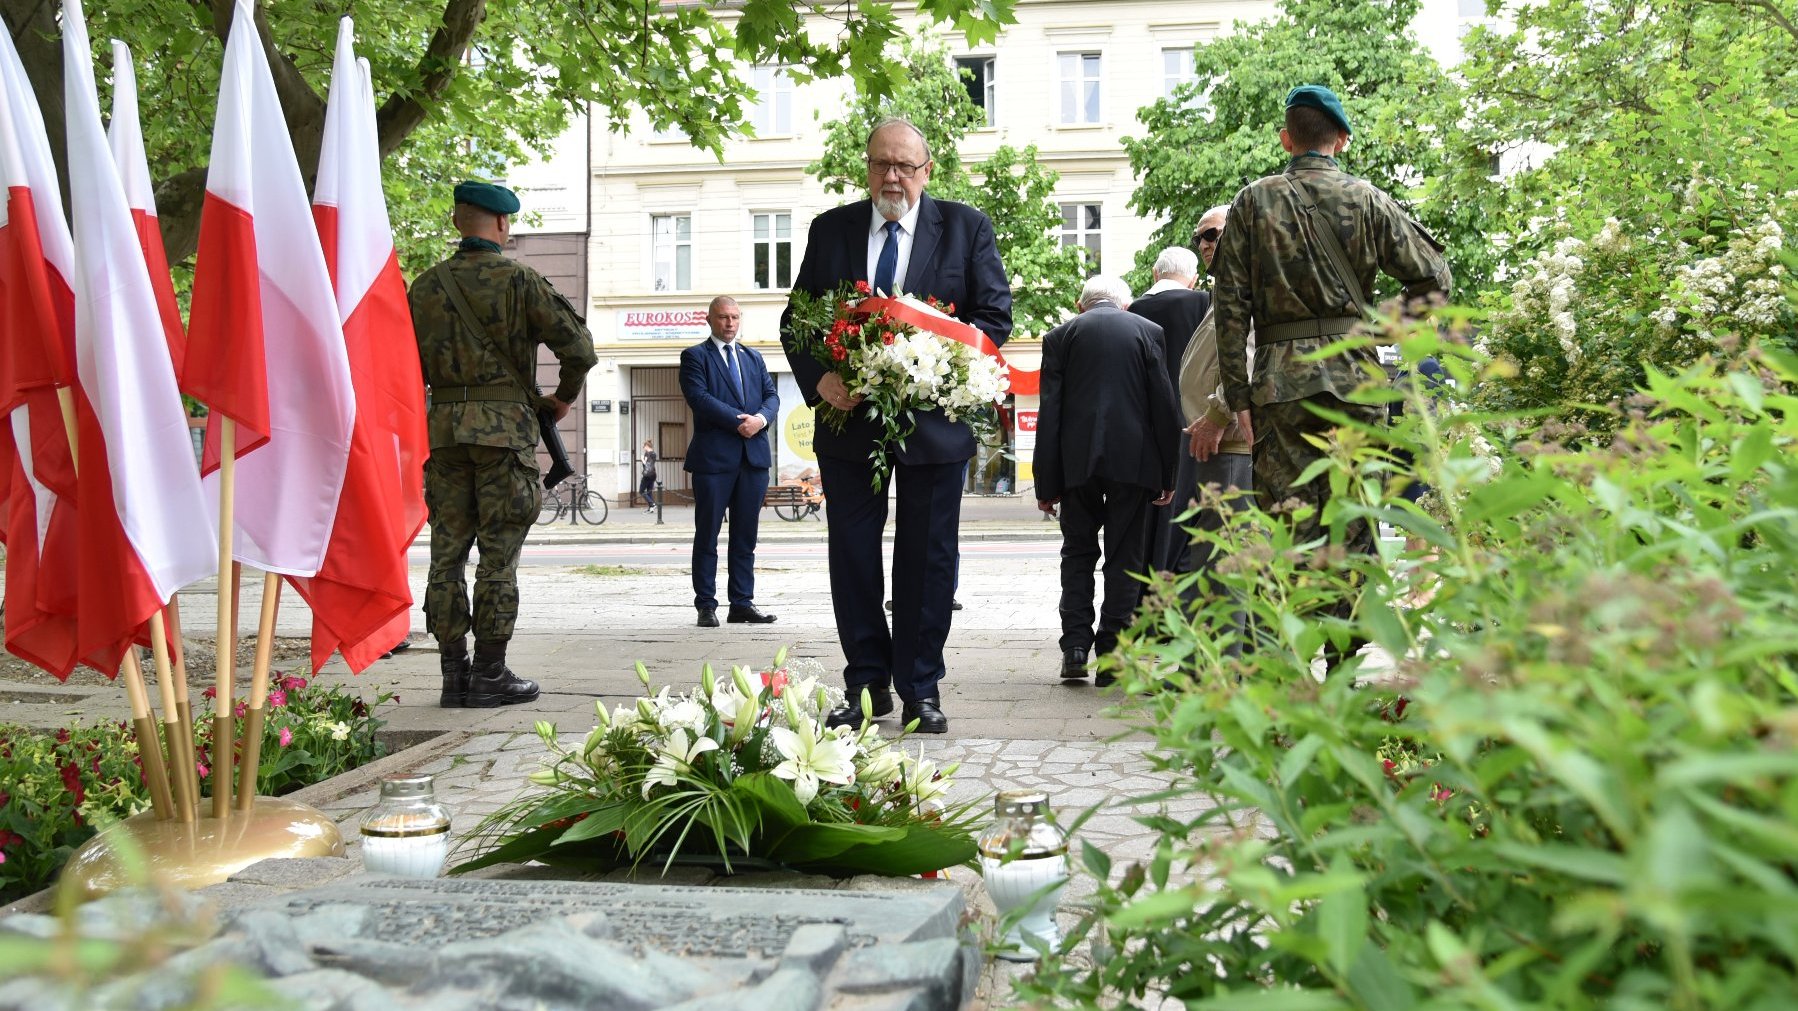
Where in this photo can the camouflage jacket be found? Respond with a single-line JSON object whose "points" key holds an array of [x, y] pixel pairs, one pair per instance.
{"points": [[1269, 272], [512, 300]]}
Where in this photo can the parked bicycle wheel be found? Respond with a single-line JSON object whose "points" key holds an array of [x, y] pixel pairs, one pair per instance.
{"points": [[551, 510], [591, 508], [790, 511]]}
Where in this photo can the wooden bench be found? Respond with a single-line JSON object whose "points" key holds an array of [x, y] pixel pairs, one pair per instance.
{"points": [[791, 502]]}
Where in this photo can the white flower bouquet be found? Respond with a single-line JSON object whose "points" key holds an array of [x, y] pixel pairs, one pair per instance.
{"points": [[737, 774], [901, 355]]}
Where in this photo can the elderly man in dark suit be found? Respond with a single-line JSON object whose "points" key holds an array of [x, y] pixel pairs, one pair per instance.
{"points": [[898, 240], [1173, 305], [1106, 438], [732, 396]]}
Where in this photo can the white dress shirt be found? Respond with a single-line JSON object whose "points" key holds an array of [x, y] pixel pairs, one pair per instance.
{"points": [[719, 346], [877, 240]]}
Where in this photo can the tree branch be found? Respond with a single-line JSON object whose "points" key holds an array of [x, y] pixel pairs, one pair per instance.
{"points": [[1779, 17], [402, 113]]}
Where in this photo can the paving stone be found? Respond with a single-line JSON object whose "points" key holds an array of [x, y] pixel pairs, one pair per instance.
{"points": [[292, 873]]}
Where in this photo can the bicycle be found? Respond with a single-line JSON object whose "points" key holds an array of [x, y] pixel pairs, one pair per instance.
{"points": [[577, 500], [796, 499]]}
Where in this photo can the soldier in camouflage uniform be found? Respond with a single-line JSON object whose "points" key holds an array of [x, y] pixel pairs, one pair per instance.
{"points": [[481, 482], [1275, 275]]}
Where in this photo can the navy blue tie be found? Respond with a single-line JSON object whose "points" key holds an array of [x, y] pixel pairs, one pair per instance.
{"points": [[736, 374], [889, 261]]}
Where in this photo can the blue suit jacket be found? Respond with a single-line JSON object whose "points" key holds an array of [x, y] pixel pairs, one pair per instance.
{"points": [[706, 383], [954, 258]]}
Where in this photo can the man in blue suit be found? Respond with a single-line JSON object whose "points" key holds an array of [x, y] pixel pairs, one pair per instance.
{"points": [[732, 396], [899, 240]]}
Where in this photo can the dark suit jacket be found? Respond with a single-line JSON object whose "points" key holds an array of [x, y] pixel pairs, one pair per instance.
{"points": [[1107, 406], [1178, 312], [706, 383], [954, 258]]}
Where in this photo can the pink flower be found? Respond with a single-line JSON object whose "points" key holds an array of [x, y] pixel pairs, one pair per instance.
{"points": [[240, 709], [276, 698], [286, 737], [202, 769], [1439, 793], [293, 684], [776, 680], [210, 693]]}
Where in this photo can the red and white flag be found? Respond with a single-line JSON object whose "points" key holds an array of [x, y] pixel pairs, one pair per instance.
{"points": [[37, 471], [264, 344], [361, 598], [140, 500], [127, 136]]}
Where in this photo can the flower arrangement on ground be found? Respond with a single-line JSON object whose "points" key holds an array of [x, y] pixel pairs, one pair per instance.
{"points": [[740, 774], [901, 355]]}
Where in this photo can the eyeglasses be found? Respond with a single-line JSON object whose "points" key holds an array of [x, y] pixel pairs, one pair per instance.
{"points": [[906, 169], [1209, 235]]}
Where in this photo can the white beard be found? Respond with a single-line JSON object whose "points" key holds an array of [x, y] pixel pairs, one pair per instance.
{"points": [[892, 208]]}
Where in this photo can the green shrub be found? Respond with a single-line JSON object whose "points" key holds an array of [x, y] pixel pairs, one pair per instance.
{"points": [[55, 787], [1579, 787]]}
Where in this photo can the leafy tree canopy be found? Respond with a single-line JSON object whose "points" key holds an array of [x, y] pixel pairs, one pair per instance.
{"points": [[466, 87], [1212, 137], [1638, 111], [1011, 186]]}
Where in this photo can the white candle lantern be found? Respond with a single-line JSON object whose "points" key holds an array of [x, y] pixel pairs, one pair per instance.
{"points": [[408, 833], [1024, 861]]}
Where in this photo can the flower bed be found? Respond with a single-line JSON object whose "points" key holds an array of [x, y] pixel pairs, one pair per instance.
{"points": [[739, 774], [59, 787]]}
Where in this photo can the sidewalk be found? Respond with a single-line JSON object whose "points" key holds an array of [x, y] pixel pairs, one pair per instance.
{"points": [[983, 518]]}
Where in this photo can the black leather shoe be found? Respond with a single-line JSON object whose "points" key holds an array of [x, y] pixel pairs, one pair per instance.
{"points": [[954, 605], [748, 613], [492, 684], [1073, 664], [455, 682], [927, 713], [708, 617], [1104, 679], [849, 714]]}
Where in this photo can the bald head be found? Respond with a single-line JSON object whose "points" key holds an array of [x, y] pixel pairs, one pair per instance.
{"points": [[1209, 229], [724, 318]]}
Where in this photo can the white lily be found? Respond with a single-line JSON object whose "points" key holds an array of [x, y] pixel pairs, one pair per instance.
{"points": [[882, 768], [810, 761], [676, 759], [919, 779]]}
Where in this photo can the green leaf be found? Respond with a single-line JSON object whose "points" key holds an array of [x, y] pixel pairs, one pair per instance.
{"points": [[1154, 909], [1279, 999], [1584, 863], [600, 821], [1342, 918]]}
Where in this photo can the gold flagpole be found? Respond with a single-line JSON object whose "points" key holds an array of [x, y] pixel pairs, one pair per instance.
{"points": [[183, 697], [223, 722], [185, 802], [252, 730]]}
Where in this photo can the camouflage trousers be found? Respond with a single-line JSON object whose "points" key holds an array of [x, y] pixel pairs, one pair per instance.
{"points": [[1281, 455], [477, 494]]}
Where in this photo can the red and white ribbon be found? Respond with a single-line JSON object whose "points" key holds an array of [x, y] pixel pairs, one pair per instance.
{"points": [[915, 313]]}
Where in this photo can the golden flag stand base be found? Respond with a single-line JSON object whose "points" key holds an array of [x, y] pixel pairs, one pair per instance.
{"points": [[206, 851]]}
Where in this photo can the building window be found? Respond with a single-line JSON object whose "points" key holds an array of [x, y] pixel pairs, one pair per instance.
{"points": [[772, 233], [978, 74], [773, 112], [671, 251], [1080, 229], [1079, 87], [1177, 68]]}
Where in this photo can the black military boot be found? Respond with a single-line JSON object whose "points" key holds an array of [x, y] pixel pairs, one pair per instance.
{"points": [[455, 675], [491, 683]]}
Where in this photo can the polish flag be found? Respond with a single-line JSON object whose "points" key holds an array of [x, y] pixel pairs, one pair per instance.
{"points": [[264, 344], [37, 469], [140, 498], [127, 137], [361, 598]]}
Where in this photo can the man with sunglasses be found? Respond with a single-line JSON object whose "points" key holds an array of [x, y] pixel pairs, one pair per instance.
{"points": [[897, 240], [1297, 264]]}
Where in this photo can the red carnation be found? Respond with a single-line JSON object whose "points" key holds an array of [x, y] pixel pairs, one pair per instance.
{"points": [[886, 338], [838, 352], [862, 288], [950, 308]]}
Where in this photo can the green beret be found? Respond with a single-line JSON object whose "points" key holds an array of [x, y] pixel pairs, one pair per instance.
{"points": [[1319, 97], [487, 196]]}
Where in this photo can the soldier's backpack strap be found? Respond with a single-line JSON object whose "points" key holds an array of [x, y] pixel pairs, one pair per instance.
{"points": [[469, 320], [1339, 263]]}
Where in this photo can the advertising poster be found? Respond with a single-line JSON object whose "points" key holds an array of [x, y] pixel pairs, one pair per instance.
{"points": [[1025, 445], [795, 456]]}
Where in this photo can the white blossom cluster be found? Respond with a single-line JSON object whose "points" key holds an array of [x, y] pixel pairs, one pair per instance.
{"points": [[929, 371], [1740, 287], [1548, 288]]}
